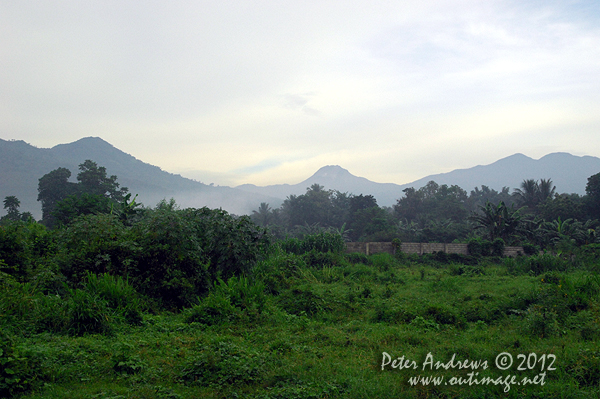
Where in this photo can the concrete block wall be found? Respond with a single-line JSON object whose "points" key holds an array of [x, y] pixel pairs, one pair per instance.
{"points": [[513, 251], [420, 248]]}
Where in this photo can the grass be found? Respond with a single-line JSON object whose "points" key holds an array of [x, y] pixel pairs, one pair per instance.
{"points": [[320, 332]]}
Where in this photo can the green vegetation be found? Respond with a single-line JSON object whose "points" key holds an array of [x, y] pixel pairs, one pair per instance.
{"points": [[134, 302]]}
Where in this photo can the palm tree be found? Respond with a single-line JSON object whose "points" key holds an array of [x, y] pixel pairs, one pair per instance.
{"points": [[11, 204], [263, 215], [546, 190], [498, 220], [528, 194]]}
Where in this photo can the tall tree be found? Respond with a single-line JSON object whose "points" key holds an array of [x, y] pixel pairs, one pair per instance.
{"points": [[12, 204], [527, 195], [546, 190], [95, 192], [52, 188], [93, 180], [592, 190], [532, 194], [263, 216]]}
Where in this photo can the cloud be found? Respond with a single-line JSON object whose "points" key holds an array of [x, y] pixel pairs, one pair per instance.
{"points": [[268, 90]]}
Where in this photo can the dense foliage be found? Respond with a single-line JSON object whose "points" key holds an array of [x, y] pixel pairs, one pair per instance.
{"points": [[442, 213], [120, 301]]}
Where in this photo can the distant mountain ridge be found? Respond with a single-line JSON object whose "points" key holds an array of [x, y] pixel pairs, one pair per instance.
{"points": [[22, 165], [569, 173]]}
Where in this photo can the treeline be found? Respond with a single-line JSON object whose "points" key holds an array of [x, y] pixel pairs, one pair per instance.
{"points": [[533, 213]]}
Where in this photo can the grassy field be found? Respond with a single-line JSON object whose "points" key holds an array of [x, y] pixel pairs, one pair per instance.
{"points": [[317, 326]]}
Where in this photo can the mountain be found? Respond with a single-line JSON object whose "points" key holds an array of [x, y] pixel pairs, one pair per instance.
{"points": [[569, 173], [333, 177], [22, 165]]}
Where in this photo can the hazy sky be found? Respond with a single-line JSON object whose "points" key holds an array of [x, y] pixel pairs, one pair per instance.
{"points": [[267, 92]]}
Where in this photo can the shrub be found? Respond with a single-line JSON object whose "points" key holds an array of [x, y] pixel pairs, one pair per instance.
{"points": [[18, 374], [498, 247], [276, 270], [586, 369], [171, 264], [323, 242], [320, 242], [382, 261], [216, 308], [88, 313], [223, 364], [94, 244], [22, 244], [242, 293], [443, 315], [299, 301], [320, 260], [357, 257], [478, 247], [540, 322], [538, 264], [118, 294], [530, 249]]}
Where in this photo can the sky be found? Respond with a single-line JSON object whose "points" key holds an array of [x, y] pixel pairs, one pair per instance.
{"points": [[267, 92]]}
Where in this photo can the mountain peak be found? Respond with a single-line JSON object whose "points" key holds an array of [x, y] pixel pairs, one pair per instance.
{"points": [[331, 172]]}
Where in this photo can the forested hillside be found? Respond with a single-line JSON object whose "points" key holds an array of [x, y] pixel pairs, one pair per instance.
{"points": [[22, 165]]}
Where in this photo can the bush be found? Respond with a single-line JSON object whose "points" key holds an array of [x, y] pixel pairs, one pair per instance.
{"points": [[88, 313], [539, 264], [214, 309], [22, 244], [320, 242], [18, 374], [299, 301], [541, 322], [224, 364], [498, 247], [242, 293], [586, 369], [320, 260], [277, 270], [443, 315], [478, 247], [530, 249], [170, 264], [357, 257], [118, 294], [94, 244]]}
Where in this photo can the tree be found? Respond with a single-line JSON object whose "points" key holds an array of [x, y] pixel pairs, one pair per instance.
{"points": [[52, 188], [310, 208], [80, 204], [546, 190], [93, 180], [592, 190], [11, 204], [410, 206], [94, 193], [497, 220], [263, 216], [432, 202], [479, 197], [527, 195], [565, 206], [531, 194]]}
